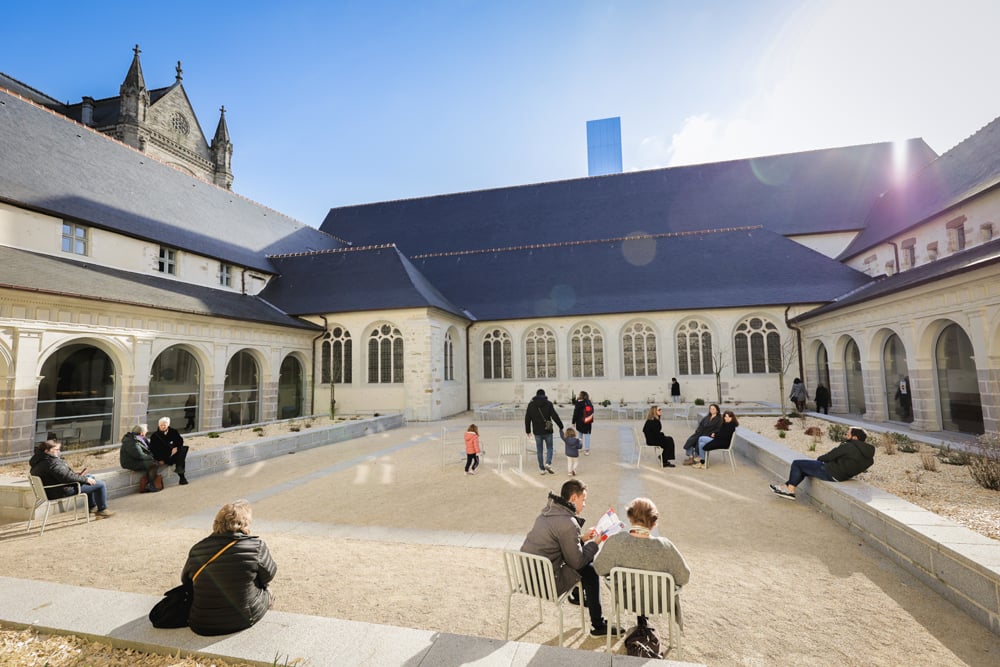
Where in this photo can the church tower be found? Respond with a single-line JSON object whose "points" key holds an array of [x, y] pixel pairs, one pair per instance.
{"points": [[134, 104], [222, 153]]}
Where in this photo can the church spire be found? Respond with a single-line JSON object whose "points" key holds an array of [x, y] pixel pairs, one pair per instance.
{"points": [[134, 102], [180, 73], [134, 79], [222, 152]]}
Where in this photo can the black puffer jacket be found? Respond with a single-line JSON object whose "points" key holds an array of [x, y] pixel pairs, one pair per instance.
{"points": [[231, 593], [540, 409], [53, 470], [848, 459]]}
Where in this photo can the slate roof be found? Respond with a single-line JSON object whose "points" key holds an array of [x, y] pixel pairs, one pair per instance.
{"points": [[28, 271], [59, 167], [745, 267], [977, 257], [970, 168], [811, 192], [352, 280]]}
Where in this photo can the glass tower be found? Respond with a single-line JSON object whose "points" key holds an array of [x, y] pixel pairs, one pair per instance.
{"points": [[604, 146]]}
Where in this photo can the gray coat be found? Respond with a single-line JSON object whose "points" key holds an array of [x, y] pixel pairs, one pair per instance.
{"points": [[556, 535], [134, 453], [657, 554]]}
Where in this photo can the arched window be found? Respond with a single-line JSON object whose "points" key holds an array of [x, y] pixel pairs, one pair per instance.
{"points": [[540, 354], [449, 357], [958, 382], [854, 379], [174, 388], [290, 388], [385, 355], [639, 350], [823, 366], [496, 355], [336, 357], [241, 392], [896, 373], [694, 348], [757, 346], [587, 350]]}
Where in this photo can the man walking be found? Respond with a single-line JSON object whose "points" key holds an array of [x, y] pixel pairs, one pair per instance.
{"points": [[539, 418]]}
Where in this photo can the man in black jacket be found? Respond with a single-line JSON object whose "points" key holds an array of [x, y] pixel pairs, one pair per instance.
{"points": [[841, 463], [168, 447], [542, 413]]}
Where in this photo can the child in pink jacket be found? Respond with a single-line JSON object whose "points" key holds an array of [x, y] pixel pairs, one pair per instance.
{"points": [[472, 449]]}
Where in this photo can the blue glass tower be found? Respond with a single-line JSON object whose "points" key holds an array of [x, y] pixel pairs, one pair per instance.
{"points": [[604, 146]]}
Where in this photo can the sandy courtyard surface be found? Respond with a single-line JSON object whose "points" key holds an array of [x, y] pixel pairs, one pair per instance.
{"points": [[388, 529]]}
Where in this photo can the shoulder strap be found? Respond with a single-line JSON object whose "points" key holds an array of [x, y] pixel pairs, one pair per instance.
{"points": [[211, 559]]}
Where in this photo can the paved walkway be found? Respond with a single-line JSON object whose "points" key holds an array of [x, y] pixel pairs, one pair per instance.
{"points": [[404, 489]]}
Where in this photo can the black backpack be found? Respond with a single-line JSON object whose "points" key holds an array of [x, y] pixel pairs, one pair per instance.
{"points": [[643, 641]]}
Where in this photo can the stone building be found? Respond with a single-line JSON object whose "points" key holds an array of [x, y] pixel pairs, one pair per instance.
{"points": [[874, 275]]}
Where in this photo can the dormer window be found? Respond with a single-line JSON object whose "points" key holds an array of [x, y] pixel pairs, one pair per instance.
{"points": [[908, 254], [74, 238], [225, 275], [986, 232], [932, 251], [956, 234], [168, 261]]}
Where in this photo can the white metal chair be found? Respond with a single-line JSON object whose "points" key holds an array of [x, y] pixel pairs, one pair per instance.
{"points": [[42, 499], [727, 451], [640, 444], [645, 593], [533, 576], [510, 445]]}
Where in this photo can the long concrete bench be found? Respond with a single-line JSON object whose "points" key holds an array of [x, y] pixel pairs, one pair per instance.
{"points": [[17, 499], [959, 564], [279, 638]]}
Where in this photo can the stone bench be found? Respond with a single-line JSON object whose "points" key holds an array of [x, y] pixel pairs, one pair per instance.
{"points": [[17, 498], [959, 564]]}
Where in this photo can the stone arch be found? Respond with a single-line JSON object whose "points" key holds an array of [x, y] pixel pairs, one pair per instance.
{"points": [[177, 378], [291, 386], [850, 356], [241, 393]]}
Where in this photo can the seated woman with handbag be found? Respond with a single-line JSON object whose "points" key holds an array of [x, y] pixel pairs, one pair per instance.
{"points": [[231, 594], [723, 437]]}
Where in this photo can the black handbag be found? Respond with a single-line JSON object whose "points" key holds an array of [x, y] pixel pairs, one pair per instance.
{"points": [[175, 607], [173, 610]]}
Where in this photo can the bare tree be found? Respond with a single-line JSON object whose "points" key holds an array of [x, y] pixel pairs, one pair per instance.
{"points": [[788, 356], [719, 362]]}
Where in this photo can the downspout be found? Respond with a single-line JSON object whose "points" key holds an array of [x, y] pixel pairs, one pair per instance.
{"points": [[798, 342], [468, 369], [326, 328]]}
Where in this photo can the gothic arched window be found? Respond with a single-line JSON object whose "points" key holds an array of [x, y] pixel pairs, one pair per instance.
{"points": [[757, 346], [694, 348], [540, 354], [385, 355]]}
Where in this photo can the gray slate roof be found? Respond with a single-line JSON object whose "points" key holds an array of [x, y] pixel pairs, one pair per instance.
{"points": [[970, 168], [811, 192], [34, 272], [691, 271], [351, 280], [56, 166]]}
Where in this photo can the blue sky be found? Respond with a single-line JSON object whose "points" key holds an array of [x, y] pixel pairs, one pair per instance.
{"points": [[337, 103]]}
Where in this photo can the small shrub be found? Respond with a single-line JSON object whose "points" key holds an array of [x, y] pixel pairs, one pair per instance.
{"points": [[294, 429], [212, 434], [812, 445], [953, 457], [984, 465], [905, 443], [814, 431], [781, 434], [308, 424], [889, 444], [836, 432], [605, 402], [783, 424], [930, 461], [794, 414], [699, 401]]}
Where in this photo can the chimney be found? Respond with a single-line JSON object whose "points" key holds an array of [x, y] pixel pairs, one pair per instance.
{"points": [[87, 111]]}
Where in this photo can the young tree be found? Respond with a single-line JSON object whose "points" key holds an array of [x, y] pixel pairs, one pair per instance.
{"points": [[719, 362], [787, 355]]}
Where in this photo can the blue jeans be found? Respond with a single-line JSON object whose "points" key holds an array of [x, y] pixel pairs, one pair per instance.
{"points": [[547, 438], [586, 441], [97, 494], [702, 441], [802, 468]]}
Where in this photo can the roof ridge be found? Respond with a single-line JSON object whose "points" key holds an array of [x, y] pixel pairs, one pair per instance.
{"points": [[563, 244], [29, 87], [330, 251]]}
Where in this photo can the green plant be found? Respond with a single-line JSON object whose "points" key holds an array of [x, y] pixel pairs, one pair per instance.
{"points": [[781, 434], [795, 414], [905, 443], [699, 401], [812, 445], [212, 434], [984, 465], [953, 457], [258, 429], [836, 432], [605, 403]]}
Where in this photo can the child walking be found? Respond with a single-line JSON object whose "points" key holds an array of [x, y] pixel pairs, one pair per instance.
{"points": [[472, 449], [573, 447]]}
